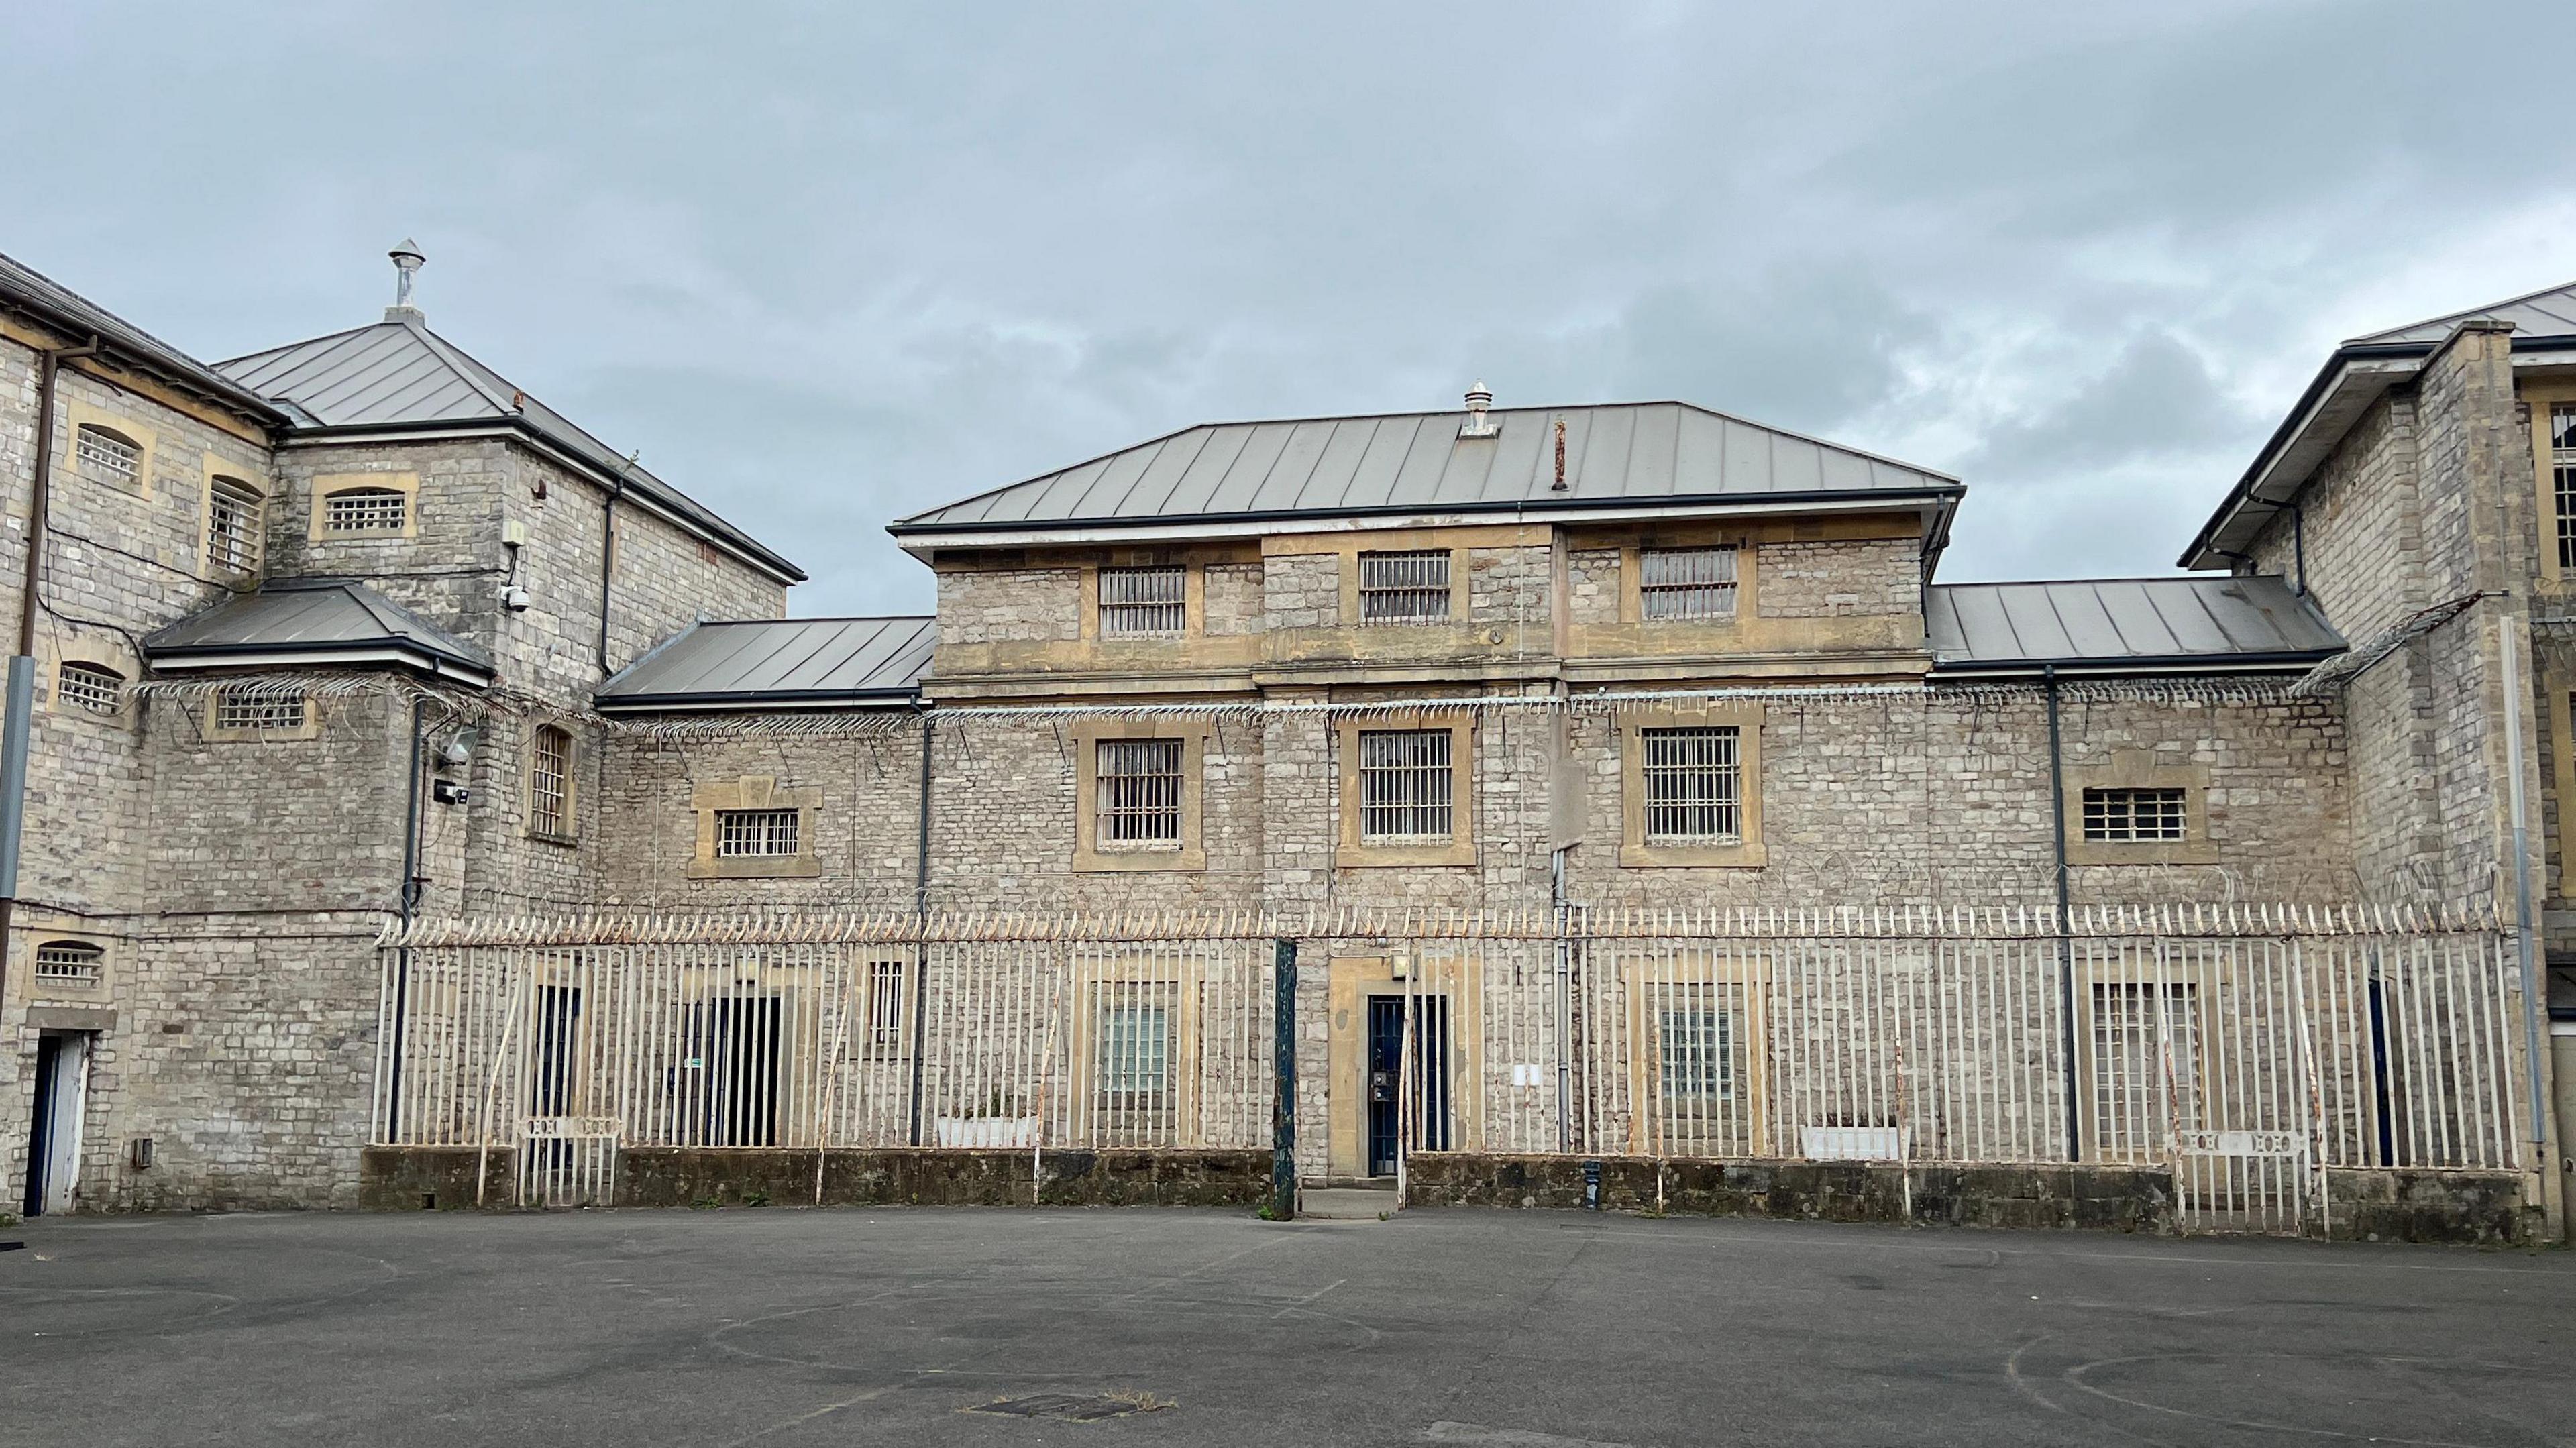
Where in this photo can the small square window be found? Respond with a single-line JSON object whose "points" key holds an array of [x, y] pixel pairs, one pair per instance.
{"points": [[753, 833], [1135, 1051], [69, 962], [261, 711], [1694, 785], [1686, 583], [105, 455], [1140, 792], [1696, 1049], [1407, 587], [91, 688], [1136, 601], [2120, 816], [365, 510], [1406, 786]]}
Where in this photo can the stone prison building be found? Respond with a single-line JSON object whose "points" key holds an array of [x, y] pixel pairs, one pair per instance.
{"points": [[423, 799]]}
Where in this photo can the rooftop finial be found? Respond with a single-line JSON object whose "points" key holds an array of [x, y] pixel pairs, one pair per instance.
{"points": [[1479, 397], [407, 262]]}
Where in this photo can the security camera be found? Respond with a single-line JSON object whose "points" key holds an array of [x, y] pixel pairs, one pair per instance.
{"points": [[515, 599]]}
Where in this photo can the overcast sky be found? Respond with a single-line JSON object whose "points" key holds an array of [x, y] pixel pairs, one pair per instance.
{"points": [[829, 264]]}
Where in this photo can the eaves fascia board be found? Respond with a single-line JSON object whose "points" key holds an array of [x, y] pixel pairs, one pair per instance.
{"points": [[756, 701], [188, 658], [2293, 424], [519, 430], [166, 364], [917, 538], [2065, 668]]}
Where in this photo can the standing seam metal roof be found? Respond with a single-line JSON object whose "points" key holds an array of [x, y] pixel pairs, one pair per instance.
{"points": [[2123, 621], [1618, 452], [66, 310], [779, 660], [399, 373], [2549, 312], [310, 615]]}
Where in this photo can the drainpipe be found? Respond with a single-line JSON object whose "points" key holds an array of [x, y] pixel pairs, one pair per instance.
{"points": [[608, 560], [920, 919], [2299, 549], [21, 690], [2065, 944], [406, 900]]}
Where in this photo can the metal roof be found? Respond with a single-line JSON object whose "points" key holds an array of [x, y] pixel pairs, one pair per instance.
{"points": [[2130, 625], [1637, 452], [779, 663], [323, 619], [398, 373], [2549, 312], [63, 310]]}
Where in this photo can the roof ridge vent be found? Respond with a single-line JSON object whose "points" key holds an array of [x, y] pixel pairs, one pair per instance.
{"points": [[407, 263], [1479, 397]]}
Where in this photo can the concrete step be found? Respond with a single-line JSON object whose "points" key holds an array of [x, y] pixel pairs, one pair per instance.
{"points": [[1346, 1204]]}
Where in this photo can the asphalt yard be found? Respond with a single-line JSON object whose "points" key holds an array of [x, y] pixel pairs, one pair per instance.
{"points": [[787, 1328]]}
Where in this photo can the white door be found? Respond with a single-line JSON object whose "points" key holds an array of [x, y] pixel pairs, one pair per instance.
{"points": [[63, 1119]]}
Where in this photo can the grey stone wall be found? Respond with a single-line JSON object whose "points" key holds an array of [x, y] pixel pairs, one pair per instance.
{"points": [[1839, 578]]}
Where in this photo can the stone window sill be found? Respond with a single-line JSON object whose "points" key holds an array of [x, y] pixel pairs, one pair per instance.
{"points": [[756, 867]]}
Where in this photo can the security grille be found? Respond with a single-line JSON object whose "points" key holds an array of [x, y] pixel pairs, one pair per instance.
{"points": [[363, 510], [232, 526], [2128, 815], [1408, 587], [107, 457], [1405, 785], [2146, 1065], [1698, 1062], [756, 832], [259, 713], [885, 1002], [88, 686], [1686, 582], [1135, 1049], [1694, 784], [2562, 475], [549, 782], [1140, 791], [1143, 601], [70, 962]]}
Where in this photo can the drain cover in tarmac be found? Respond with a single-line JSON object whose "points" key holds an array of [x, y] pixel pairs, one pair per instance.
{"points": [[1067, 1406]]}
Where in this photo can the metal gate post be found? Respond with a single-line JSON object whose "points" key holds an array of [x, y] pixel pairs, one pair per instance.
{"points": [[1283, 1091]]}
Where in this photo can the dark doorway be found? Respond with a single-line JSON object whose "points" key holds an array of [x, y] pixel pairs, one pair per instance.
{"points": [[1386, 1078], [733, 1055], [54, 1135]]}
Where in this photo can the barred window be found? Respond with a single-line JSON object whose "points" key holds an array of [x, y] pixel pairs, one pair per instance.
{"points": [[2138, 1029], [1698, 1060], [2562, 477], [72, 962], [261, 712], [364, 510], [232, 525], [1143, 601], [885, 1002], [1405, 785], [1694, 781], [1135, 1049], [550, 782], [93, 687], [1139, 791], [745, 832], [1407, 587], [105, 455], [1686, 582], [2124, 815]]}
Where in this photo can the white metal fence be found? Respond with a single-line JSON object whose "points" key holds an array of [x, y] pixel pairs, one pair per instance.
{"points": [[2249, 1051]]}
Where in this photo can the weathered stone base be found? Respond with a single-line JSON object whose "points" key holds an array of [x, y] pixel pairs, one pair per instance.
{"points": [[409, 1178], [2391, 1206]]}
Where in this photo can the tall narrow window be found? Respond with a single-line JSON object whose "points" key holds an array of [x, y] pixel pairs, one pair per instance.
{"points": [[1694, 785], [2146, 1064], [1137, 601], [262, 711], [2119, 816], [1686, 583], [232, 526], [1135, 1046], [550, 782], [1140, 792], [1406, 787], [885, 1003], [365, 510], [92, 688], [2562, 477], [105, 455], [756, 832], [1406, 587]]}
